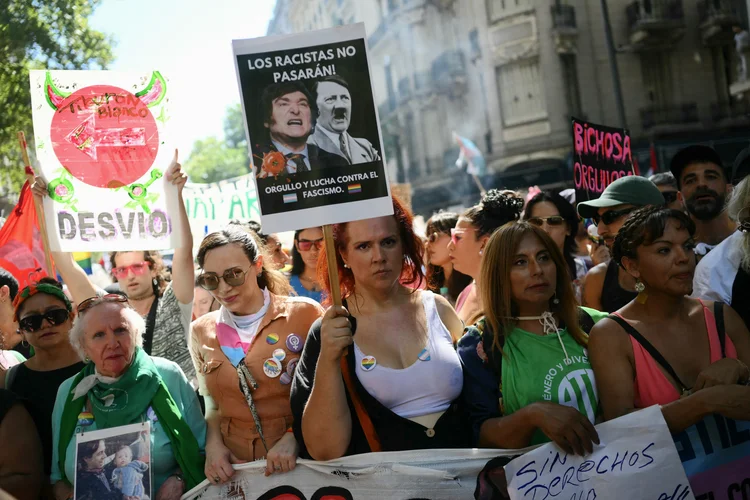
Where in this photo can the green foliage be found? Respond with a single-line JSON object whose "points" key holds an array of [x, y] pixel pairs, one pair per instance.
{"points": [[213, 160], [234, 127], [39, 34]]}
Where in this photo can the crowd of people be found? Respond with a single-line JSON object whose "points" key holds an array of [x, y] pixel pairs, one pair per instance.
{"points": [[240, 354]]}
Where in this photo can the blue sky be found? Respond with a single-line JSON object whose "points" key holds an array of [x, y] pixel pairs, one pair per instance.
{"points": [[191, 41]]}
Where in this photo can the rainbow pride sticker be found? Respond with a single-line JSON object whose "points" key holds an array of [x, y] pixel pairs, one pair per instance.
{"points": [[272, 338], [424, 355], [368, 363], [85, 419], [272, 367]]}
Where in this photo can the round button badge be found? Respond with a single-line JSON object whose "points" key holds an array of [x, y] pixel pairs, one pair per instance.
{"points": [[272, 367], [294, 343], [291, 366], [279, 354], [272, 338], [285, 379]]}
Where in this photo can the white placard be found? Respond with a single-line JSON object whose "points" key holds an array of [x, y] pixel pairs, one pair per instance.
{"points": [[313, 128], [101, 140], [636, 459]]}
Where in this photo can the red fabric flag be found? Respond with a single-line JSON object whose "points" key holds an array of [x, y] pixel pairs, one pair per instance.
{"points": [[652, 159], [21, 249]]}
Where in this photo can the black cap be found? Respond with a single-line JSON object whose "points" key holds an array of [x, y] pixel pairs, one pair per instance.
{"points": [[694, 154], [741, 166]]}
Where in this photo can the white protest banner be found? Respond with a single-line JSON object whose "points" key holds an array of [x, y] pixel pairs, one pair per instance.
{"points": [[313, 128], [212, 206], [636, 459], [715, 453], [407, 475], [102, 142]]}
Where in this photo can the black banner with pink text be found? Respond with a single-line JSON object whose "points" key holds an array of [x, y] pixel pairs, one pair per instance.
{"points": [[601, 156]]}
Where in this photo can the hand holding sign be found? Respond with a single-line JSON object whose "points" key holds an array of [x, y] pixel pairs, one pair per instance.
{"points": [[335, 335], [567, 427], [637, 459]]}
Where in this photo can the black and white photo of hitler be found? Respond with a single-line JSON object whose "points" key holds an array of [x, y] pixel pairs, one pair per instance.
{"points": [[334, 102], [289, 114]]}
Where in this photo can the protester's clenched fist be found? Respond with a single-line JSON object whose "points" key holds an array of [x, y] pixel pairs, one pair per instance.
{"points": [[335, 334]]}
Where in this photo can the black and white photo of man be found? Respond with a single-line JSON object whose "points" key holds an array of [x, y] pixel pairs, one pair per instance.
{"points": [[289, 116], [334, 105]]}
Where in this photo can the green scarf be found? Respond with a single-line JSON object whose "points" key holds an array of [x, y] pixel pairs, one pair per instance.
{"points": [[124, 402]]}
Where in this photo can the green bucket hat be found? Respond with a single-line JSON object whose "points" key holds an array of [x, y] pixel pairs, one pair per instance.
{"points": [[629, 190]]}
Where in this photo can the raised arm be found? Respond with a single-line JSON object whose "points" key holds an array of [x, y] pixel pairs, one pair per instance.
{"points": [[183, 277]]}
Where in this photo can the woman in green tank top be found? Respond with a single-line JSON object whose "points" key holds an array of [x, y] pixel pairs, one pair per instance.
{"points": [[527, 377]]}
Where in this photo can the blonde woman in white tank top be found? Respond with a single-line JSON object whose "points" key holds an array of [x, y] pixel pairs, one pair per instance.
{"points": [[407, 369]]}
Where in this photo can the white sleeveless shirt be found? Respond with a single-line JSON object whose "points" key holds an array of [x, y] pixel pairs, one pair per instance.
{"points": [[424, 387]]}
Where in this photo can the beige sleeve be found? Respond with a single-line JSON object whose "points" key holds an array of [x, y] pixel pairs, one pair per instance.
{"points": [[195, 355]]}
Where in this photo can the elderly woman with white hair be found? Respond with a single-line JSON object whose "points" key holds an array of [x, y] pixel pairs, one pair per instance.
{"points": [[122, 385]]}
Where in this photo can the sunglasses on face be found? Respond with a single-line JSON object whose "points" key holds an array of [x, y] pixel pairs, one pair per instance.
{"points": [[457, 233], [93, 301], [669, 197], [138, 269], [306, 245], [232, 277], [611, 216], [553, 221], [54, 317]]}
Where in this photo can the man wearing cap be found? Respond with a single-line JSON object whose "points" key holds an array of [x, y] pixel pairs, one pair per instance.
{"points": [[607, 287], [704, 188], [724, 274]]}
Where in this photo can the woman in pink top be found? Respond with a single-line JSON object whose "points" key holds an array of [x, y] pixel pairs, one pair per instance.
{"points": [[665, 348]]}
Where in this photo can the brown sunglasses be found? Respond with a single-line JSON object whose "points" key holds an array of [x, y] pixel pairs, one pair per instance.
{"points": [[95, 301]]}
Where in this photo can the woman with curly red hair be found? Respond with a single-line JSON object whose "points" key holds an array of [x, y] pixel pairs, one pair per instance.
{"points": [[397, 386]]}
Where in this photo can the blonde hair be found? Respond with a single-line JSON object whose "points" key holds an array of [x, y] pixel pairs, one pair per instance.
{"points": [[136, 322], [497, 295], [740, 200]]}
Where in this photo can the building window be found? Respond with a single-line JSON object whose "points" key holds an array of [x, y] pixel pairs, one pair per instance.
{"points": [[572, 91], [521, 92], [497, 9]]}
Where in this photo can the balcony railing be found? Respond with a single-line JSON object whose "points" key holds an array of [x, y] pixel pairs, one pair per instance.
{"points": [[448, 68], [658, 116], [654, 12], [563, 17], [716, 19], [730, 110]]}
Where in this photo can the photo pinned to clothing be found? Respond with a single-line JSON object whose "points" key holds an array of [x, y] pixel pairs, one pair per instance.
{"points": [[114, 464]]}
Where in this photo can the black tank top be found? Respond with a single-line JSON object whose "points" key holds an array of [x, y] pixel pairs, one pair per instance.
{"points": [[613, 295]]}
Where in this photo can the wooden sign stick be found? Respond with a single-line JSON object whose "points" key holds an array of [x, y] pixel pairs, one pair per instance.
{"points": [[333, 268], [37, 205]]}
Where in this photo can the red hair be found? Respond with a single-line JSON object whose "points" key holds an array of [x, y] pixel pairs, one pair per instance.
{"points": [[411, 272]]}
